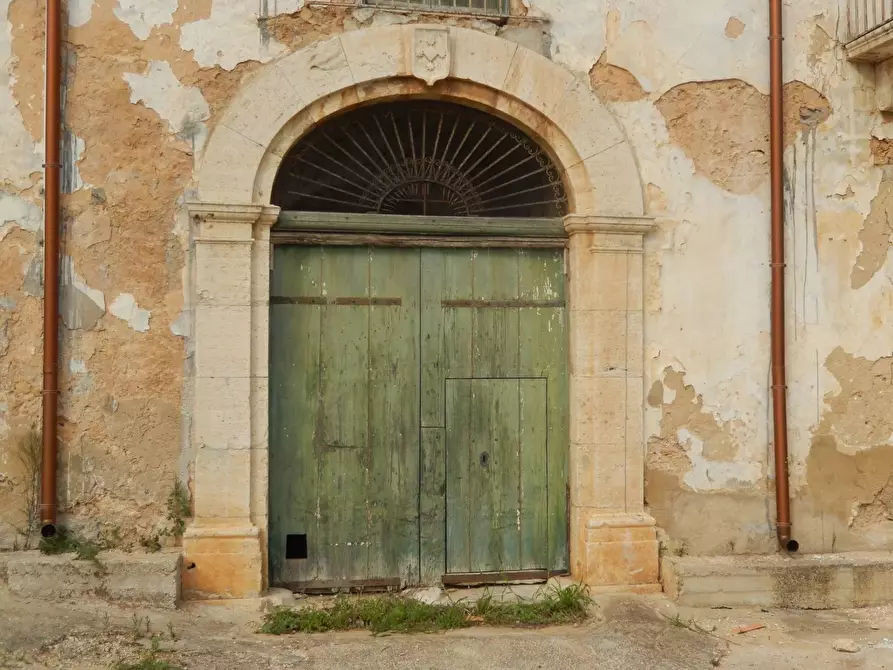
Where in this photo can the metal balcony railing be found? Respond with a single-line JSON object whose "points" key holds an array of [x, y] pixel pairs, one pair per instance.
{"points": [[496, 7], [863, 16]]}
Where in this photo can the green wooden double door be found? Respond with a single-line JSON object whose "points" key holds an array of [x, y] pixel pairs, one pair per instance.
{"points": [[418, 414]]}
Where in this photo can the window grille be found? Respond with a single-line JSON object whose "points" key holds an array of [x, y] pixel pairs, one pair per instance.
{"points": [[420, 158], [863, 16], [495, 7]]}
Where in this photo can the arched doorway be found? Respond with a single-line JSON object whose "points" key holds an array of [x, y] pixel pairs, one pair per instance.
{"points": [[612, 538], [418, 353]]}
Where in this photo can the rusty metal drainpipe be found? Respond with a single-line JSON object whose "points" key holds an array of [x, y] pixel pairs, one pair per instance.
{"points": [[779, 382], [52, 190]]}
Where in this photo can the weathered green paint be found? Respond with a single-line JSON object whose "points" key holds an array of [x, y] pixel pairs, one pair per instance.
{"points": [[344, 429], [465, 350], [430, 225], [392, 371]]}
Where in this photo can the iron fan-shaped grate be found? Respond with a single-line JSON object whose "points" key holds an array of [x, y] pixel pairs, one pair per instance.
{"points": [[420, 158]]}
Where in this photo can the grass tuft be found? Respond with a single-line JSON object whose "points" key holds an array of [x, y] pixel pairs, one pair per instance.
{"points": [[404, 615], [147, 663], [65, 542]]}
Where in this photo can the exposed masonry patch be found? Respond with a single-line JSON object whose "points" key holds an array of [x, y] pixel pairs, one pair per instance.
{"points": [[183, 107], [723, 126], [80, 12], [683, 409], [882, 151], [850, 461], [125, 308], [614, 84], [734, 28], [876, 236], [81, 307], [143, 15], [91, 228]]}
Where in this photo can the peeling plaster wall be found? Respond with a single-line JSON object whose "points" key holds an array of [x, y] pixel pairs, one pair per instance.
{"points": [[146, 81]]}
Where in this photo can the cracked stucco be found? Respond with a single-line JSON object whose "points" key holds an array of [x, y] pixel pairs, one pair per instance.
{"points": [[125, 308], [689, 90], [144, 15], [183, 107]]}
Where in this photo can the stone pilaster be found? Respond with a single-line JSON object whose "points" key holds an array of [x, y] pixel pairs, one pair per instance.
{"points": [[613, 541], [224, 547]]}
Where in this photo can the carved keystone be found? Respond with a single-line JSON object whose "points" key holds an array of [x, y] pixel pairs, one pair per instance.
{"points": [[431, 54]]}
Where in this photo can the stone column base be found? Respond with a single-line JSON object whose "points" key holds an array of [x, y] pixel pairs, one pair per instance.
{"points": [[222, 563], [617, 552]]}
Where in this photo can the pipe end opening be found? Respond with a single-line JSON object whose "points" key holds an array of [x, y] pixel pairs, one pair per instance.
{"points": [[792, 546], [48, 530]]}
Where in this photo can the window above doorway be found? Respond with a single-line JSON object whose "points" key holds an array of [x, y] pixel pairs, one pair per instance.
{"points": [[489, 7], [420, 158]]}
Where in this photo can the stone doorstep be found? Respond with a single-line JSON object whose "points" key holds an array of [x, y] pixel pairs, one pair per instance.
{"points": [[808, 581], [139, 579]]}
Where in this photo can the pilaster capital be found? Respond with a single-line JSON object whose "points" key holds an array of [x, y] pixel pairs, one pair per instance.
{"points": [[230, 223], [609, 234], [627, 225]]}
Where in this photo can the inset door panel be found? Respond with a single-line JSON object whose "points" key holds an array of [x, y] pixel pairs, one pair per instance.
{"points": [[496, 475]]}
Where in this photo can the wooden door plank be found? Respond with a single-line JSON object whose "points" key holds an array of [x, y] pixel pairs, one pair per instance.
{"points": [[432, 505], [494, 475], [534, 515], [495, 329], [342, 440], [460, 510], [544, 353], [294, 378], [393, 489]]}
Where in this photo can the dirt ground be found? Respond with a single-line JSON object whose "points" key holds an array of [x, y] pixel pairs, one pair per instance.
{"points": [[625, 632]]}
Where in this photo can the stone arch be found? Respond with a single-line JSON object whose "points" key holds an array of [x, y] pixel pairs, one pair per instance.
{"points": [[289, 97], [612, 539]]}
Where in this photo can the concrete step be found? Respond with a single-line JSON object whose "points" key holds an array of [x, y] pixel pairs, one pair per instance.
{"points": [[795, 581], [139, 579]]}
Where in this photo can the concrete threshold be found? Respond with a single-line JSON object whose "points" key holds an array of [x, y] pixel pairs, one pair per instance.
{"points": [[138, 579], [794, 581]]}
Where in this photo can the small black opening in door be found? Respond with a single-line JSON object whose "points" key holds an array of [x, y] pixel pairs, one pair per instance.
{"points": [[296, 546]]}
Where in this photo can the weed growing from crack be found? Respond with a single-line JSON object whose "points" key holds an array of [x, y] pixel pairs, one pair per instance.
{"points": [[66, 542], [28, 453], [178, 510], [405, 615], [147, 663], [140, 626]]}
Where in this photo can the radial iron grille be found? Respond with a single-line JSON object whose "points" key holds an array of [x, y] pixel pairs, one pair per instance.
{"points": [[420, 158]]}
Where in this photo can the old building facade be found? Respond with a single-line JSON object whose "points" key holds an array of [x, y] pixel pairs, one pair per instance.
{"points": [[411, 292]]}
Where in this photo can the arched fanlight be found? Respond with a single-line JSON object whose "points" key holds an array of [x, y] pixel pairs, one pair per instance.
{"points": [[420, 158]]}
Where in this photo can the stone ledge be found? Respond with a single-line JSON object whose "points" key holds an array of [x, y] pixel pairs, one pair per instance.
{"points": [[144, 579], [809, 581], [874, 46]]}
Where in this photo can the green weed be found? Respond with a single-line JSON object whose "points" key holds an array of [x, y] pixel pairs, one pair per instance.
{"points": [[404, 615], [178, 508], [147, 663]]}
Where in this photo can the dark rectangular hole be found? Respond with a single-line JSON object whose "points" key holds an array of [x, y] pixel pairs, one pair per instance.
{"points": [[296, 546]]}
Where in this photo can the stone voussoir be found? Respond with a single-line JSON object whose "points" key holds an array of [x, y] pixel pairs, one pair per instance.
{"points": [[144, 579]]}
